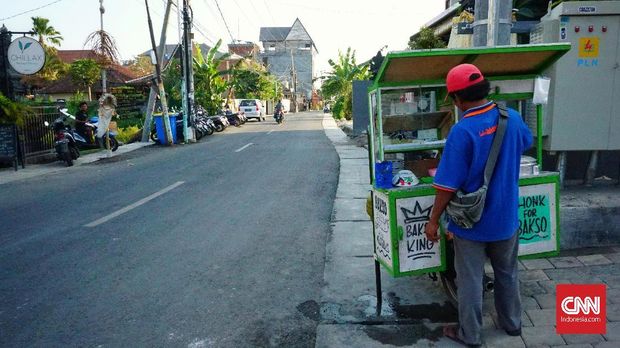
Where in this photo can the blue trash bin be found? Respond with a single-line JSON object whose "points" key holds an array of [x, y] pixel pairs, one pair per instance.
{"points": [[383, 174], [159, 128]]}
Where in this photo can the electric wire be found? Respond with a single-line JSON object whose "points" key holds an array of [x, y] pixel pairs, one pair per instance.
{"points": [[224, 19], [32, 10]]}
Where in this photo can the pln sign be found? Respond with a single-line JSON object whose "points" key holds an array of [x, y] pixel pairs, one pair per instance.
{"points": [[26, 55]]}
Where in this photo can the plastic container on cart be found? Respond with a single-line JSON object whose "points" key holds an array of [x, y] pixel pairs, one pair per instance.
{"points": [[383, 174], [159, 128]]}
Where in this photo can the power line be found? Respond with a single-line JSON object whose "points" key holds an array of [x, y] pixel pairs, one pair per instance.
{"points": [[34, 9], [269, 11], [224, 19]]}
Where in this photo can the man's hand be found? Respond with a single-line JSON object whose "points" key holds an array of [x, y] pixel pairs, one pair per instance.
{"points": [[432, 231]]}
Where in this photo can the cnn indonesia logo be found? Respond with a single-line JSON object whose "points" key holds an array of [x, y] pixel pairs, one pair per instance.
{"points": [[580, 309]]}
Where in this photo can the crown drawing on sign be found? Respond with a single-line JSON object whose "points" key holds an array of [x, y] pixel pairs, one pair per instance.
{"points": [[418, 214]]}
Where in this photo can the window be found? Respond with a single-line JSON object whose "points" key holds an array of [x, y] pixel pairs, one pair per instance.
{"points": [[272, 47]]}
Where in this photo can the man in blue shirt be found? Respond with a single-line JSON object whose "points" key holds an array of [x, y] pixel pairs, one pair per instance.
{"points": [[495, 235]]}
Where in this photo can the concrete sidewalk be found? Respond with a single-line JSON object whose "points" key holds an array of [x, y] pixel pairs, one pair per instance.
{"points": [[415, 308], [33, 170]]}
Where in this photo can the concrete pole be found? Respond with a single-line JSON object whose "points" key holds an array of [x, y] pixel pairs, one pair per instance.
{"points": [[160, 84], [492, 22], [104, 76], [146, 128]]}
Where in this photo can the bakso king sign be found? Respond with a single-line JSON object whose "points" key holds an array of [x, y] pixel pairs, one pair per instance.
{"points": [[26, 55]]}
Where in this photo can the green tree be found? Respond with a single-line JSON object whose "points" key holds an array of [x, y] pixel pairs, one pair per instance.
{"points": [[425, 39], [173, 79], [252, 81], [85, 72], [54, 68], [338, 83], [141, 65], [46, 32], [209, 84]]}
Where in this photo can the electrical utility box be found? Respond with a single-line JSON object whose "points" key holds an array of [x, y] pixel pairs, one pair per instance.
{"points": [[584, 99]]}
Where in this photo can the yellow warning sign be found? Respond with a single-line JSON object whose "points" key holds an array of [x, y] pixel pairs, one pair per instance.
{"points": [[588, 47]]}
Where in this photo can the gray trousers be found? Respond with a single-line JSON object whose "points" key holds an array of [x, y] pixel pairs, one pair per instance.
{"points": [[469, 259]]}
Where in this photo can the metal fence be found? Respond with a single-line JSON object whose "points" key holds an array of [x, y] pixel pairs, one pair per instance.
{"points": [[38, 139]]}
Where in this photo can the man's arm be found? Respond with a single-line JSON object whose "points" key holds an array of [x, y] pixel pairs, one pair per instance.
{"points": [[441, 201]]}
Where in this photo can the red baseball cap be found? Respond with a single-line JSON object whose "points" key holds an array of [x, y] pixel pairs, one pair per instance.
{"points": [[463, 76]]}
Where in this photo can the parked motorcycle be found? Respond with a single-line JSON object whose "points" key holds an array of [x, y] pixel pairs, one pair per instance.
{"points": [[221, 122], [64, 142], [204, 126]]}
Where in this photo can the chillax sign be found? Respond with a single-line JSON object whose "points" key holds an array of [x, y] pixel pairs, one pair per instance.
{"points": [[26, 55]]}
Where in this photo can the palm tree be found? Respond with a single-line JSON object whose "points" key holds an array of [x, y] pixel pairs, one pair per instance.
{"points": [[338, 83], [45, 31]]}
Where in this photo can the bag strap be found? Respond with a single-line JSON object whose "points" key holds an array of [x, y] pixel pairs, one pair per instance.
{"points": [[497, 143]]}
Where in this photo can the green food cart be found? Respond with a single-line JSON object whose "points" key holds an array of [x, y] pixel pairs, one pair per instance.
{"points": [[409, 122]]}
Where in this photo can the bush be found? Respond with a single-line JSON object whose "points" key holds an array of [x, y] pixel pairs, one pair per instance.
{"points": [[126, 135], [12, 112]]}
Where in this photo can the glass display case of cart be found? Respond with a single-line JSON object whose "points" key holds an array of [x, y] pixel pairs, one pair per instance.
{"points": [[412, 128]]}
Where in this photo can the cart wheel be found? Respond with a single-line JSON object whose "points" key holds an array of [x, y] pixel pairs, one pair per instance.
{"points": [[448, 277]]}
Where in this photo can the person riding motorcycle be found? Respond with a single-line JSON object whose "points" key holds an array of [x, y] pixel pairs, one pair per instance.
{"points": [[81, 118], [279, 109]]}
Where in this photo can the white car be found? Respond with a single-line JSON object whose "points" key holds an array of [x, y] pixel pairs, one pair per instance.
{"points": [[252, 108]]}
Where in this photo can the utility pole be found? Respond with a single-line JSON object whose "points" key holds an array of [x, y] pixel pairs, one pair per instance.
{"points": [[188, 78], [104, 76], [146, 128], [294, 80], [160, 83], [492, 23]]}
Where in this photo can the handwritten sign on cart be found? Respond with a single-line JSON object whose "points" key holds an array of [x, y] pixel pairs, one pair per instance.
{"points": [[383, 243], [537, 219], [415, 251]]}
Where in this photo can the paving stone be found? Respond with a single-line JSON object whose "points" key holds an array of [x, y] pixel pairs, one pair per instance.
{"points": [[583, 339], [532, 276], [613, 332], [583, 345], [541, 335], [592, 260], [487, 321], [608, 344], [613, 311], [565, 262], [572, 275], [532, 288], [520, 266], [613, 295], [537, 264], [495, 338], [613, 257], [546, 301], [548, 285], [613, 282], [528, 302], [541, 317]]}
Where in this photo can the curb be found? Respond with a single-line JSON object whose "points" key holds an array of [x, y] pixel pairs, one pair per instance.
{"points": [[34, 170]]}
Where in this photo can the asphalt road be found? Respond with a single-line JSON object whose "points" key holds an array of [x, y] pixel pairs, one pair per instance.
{"points": [[227, 252]]}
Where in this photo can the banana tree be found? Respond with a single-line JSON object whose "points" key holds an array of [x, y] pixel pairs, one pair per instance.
{"points": [[209, 84], [338, 83]]}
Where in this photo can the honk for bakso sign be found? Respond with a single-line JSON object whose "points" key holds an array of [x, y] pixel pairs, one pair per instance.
{"points": [[26, 55]]}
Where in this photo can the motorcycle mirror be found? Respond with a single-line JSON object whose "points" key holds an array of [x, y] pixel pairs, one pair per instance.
{"points": [[47, 124]]}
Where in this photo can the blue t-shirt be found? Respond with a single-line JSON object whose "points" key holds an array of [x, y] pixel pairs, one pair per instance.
{"points": [[462, 167]]}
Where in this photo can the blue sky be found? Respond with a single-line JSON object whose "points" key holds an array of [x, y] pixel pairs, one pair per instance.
{"points": [[364, 25]]}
